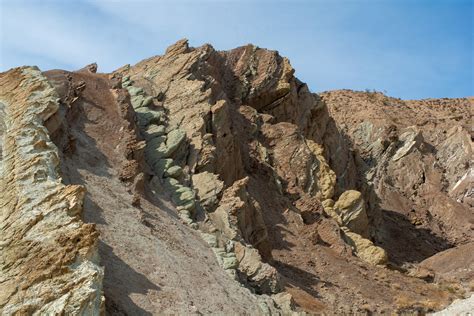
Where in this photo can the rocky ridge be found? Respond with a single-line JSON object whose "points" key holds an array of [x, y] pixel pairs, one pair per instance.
{"points": [[300, 201], [415, 159], [49, 258]]}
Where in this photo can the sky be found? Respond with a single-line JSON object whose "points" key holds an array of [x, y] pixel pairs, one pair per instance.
{"points": [[410, 49]]}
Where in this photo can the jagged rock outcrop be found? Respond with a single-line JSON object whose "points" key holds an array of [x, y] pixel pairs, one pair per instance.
{"points": [[48, 257], [220, 184], [245, 116], [414, 161], [154, 260]]}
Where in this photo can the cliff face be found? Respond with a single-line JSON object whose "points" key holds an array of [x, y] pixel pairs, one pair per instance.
{"points": [[220, 184], [48, 257]]}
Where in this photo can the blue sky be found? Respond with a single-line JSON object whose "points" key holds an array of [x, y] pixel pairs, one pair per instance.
{"points": [[409, 48]]}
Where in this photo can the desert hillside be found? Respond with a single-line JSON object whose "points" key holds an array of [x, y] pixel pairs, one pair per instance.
{"points": [[215, 182]]}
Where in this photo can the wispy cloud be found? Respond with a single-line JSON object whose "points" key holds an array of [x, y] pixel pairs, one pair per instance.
{"points": [[412, 49], [58, 33]]}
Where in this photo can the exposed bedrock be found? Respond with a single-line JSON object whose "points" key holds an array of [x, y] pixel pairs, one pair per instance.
{"points": [[261, 152], [414, 161], [219, 184], [48, 257]]}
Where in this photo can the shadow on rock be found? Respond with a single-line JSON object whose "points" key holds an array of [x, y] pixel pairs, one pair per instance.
{"points": [[406, 243], [299, 278], [120, 282]]}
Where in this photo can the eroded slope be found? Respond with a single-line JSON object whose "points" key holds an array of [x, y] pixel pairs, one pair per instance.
{"points": [[415, 159], [258, 154], [220, 184], [153, 262]]}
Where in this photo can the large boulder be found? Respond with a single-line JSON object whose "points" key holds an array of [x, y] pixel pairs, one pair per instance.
{"points": [[208, 188], [365, 249], [350, 207]]}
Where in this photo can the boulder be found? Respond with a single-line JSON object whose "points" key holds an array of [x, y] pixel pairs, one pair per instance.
{"points": [[154, 130], [365, 249], [145, 116], [209, 188], [174, 172], [174, 140], [261, 276], [350, 207], [183, 196]]}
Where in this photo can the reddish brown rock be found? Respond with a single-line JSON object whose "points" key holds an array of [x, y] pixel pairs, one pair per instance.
{"points": [[204, 169]]}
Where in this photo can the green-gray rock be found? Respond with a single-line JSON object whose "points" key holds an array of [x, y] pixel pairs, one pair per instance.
{"points": [[135, 91], [183, 195], [161, 165], [174, 172], [171, 184], [174, 139], [137, 101], [147, 101], [145, 116], [154, 130], [229, 261]]}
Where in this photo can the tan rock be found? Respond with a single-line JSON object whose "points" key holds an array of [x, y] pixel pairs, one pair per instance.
{"points": [[299, 161], [48, 256], [285, 302], [240, 215], [326, 178], [413, 161], [351, 209], [365, 249], [260, 275], [245, 114], [208, 188]]}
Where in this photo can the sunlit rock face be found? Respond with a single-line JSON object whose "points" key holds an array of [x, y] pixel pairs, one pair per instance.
{"points": [[48, 258], [215, 182]]}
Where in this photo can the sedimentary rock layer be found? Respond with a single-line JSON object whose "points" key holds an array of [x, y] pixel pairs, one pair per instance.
{"points": [[220, 184], [258, 155], [48, 256]]}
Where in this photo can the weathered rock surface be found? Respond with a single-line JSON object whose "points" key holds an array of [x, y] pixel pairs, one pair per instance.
{"points": [[221, 185], [48, 257], [350, 208], [154, 262], [246, 116], [414, 160]]}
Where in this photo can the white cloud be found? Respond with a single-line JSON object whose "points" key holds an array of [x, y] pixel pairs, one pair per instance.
{"points": [[54, 32], [332, 44]]}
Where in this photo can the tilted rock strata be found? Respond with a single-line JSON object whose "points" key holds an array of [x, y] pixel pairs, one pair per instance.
{"points": [[414, 160], [293, 194], [154, 262], [48, 256], [259, 151]]}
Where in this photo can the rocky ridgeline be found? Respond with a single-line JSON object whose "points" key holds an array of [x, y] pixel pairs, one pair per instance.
{"points": [[48, 256], [231, 215], [166, 152], [304, 199]]}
